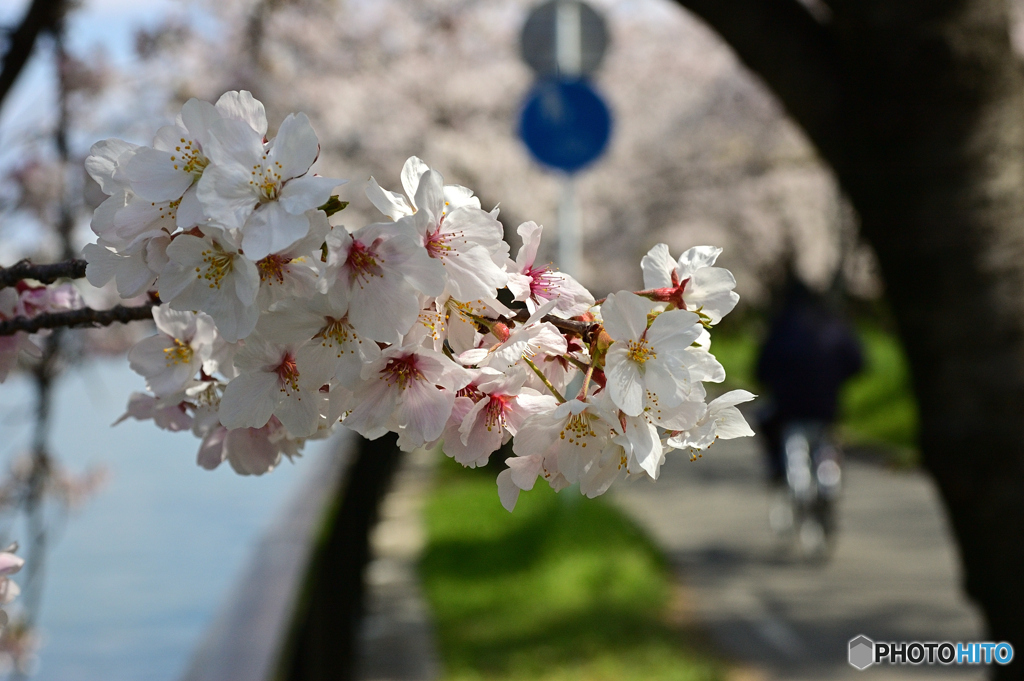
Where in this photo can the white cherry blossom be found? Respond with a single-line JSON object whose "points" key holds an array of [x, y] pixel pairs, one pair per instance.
{"points": [[537, 284], [332, 341], [374, 274], [496, 416], [408, 390], [694, 281], [645, 364], [208, 273], [262, 190], [170, 360], [721, 420], [273, 380], [464, 243], [396, 206]]}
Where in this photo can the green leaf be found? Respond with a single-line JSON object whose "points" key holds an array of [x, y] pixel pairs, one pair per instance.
{"points": [[333, 206]]}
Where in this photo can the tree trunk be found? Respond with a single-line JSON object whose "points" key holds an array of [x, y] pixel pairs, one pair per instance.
{"points": [[918, 105]]}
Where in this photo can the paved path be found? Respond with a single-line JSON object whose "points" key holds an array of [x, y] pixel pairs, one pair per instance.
{"points": [[893, 575], [396, 638]]}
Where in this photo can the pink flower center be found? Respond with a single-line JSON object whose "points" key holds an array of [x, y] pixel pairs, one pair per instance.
{"points": [[495, 411], [542, 284], [363, 262], [337, 333], [471, 392], [437, 243], [288, 373], [272, 268], [402, 371]]}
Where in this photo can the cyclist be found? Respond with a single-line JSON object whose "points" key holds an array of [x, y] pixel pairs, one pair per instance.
{"points": [[809, 352]]}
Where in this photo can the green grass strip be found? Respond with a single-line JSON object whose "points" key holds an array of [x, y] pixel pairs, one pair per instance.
{"points": [[563, 588]]}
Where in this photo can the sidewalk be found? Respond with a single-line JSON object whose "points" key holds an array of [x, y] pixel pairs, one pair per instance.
{"points": [[396, 638], [894, 574]]}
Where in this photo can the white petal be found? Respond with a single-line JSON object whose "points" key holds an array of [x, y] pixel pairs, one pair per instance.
{"points": [[524, 470], [389, 203], [271, 229], [531, 234], [424, 273], [250, 451], [674, 331], [295, 147], [102, 264], [624, 381], [243, 106], [704, 367], [198, 117], [646, 444], [234, 142], [731, 424], [658, 266], [190, 211], [307, 193], [226, 194], [155, 177], [384, 309], [249, 400], [211, 451], [625, 315], [430, 194], [412, 170], [695, 258], [424, 410], [106, 162], [711, 289], [300, 412], [508, 492], [376, 405]]}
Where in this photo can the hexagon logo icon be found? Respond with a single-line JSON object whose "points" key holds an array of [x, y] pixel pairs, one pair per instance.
{"points": [[862, 652]]}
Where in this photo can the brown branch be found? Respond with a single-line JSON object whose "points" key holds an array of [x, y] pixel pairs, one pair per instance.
{"points": [[584, 330], [70, 269], [42, 15], [82, 317]]}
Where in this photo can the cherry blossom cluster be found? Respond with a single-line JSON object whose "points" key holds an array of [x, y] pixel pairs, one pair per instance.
{"points": [[276, 325], [28, 300]]}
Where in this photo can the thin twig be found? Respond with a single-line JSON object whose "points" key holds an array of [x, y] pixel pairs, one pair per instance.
{"points": [[586, 382], [540, 374], [85, 316], [47, 274], [582, 366]]}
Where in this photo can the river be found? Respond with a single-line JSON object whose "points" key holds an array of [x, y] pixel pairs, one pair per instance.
{"points": [[136, 574]]}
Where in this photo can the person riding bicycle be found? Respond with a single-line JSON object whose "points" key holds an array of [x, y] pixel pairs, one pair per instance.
{"points": [[809, 353]]}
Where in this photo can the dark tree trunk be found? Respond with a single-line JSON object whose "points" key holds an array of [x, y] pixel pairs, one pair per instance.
{"points": [[918, 105], [323, 644]]}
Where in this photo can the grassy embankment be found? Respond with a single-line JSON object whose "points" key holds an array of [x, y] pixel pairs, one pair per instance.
{"points": [[563, 588], [878, 408]]}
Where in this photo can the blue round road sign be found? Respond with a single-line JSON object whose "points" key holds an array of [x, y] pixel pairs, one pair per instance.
{"points": [[565, 124]]}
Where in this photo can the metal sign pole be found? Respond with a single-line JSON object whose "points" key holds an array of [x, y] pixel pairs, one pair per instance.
{"points": [[570, 247], [569, 57], [568, 40], [565, 123]]}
